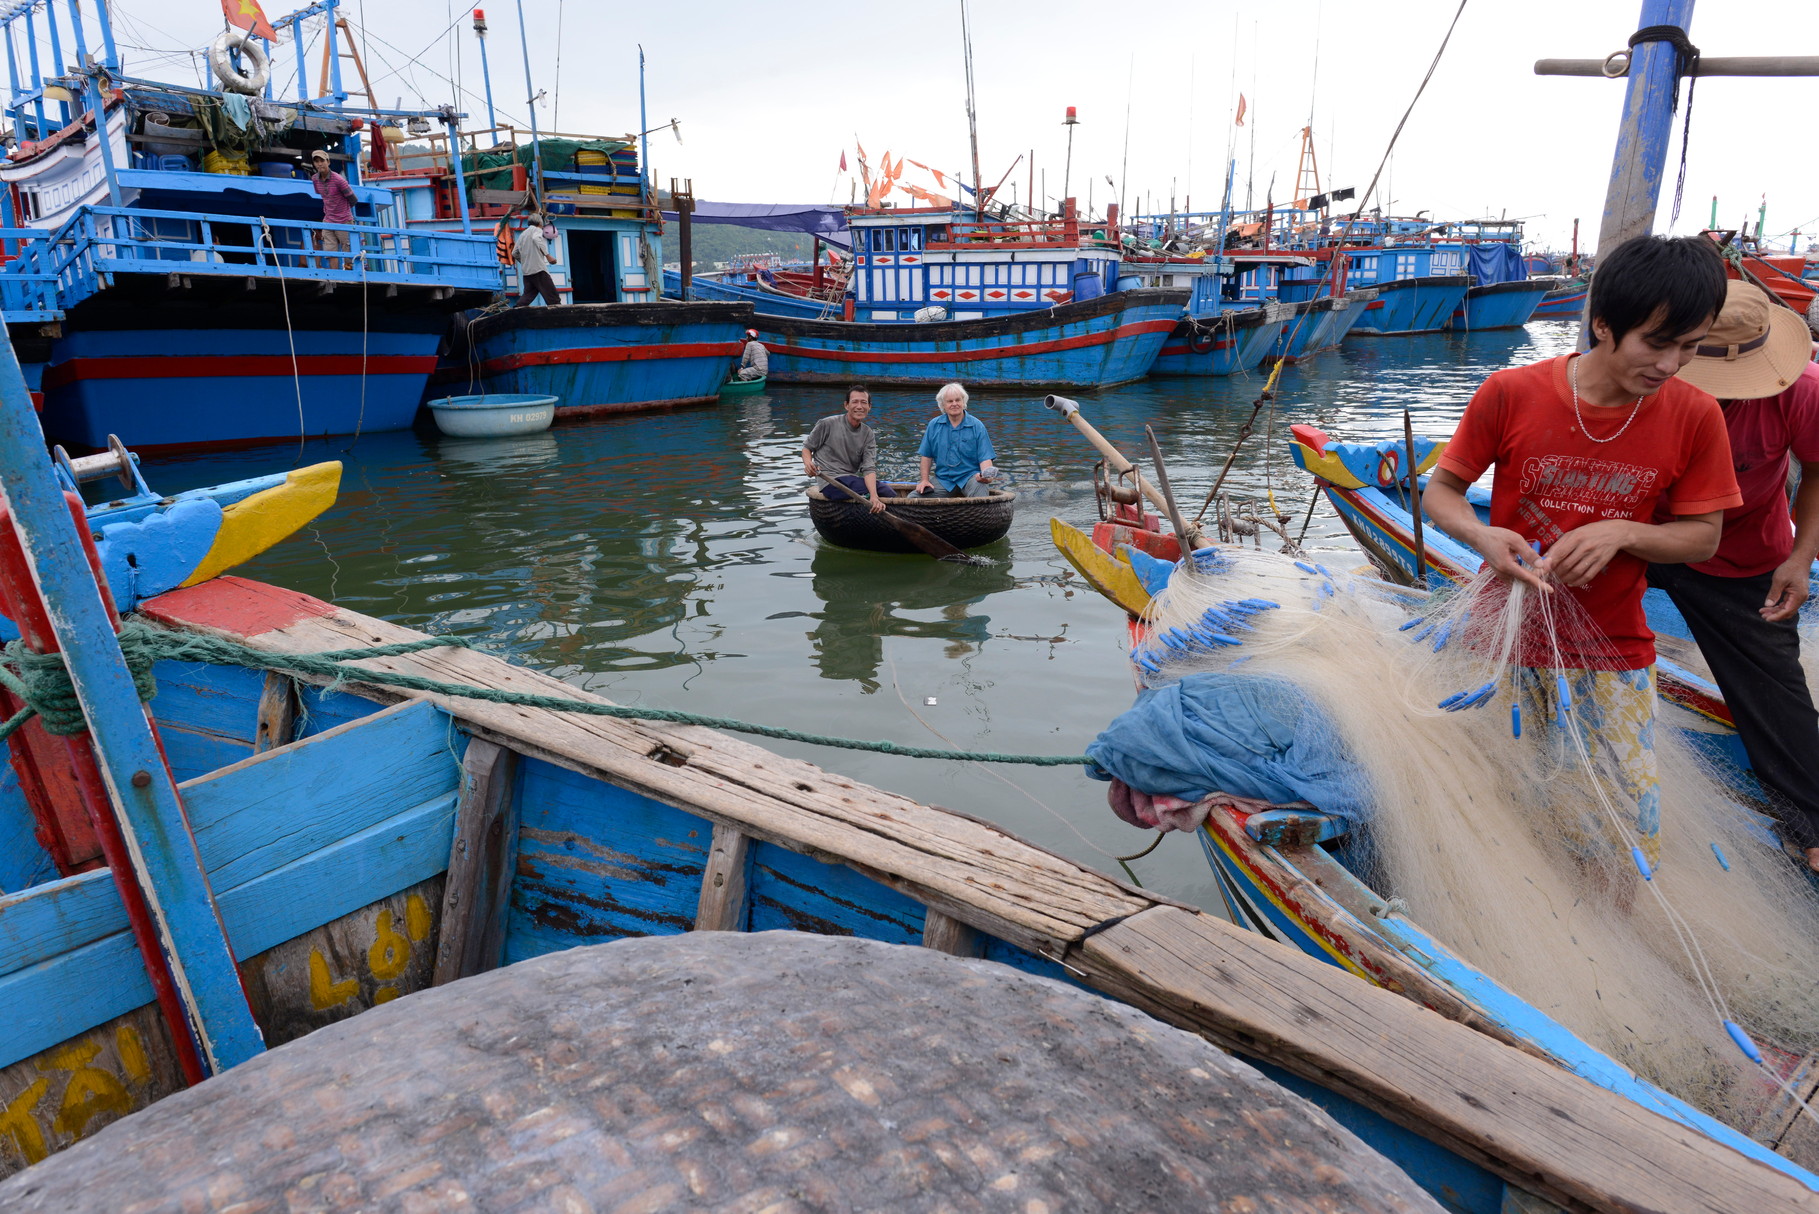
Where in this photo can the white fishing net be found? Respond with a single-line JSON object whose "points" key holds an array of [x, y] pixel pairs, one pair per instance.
{"points": [[1522, 853]]}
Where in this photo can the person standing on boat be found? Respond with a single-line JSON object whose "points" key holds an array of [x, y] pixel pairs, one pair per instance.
{"points": [[1606, 463], [755, 362], [1743, 605], [956, 451], [534, 258], [337, 207], [845, 448]]}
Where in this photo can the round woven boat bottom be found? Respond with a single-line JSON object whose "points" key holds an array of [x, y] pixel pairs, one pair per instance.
{"points": [[720, 1071]]}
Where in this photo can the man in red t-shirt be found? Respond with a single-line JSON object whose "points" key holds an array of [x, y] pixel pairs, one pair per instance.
{"points": [[1590, 450], [1742, 605]]}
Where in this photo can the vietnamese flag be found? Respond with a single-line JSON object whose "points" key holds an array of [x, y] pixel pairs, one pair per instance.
{"points": [[250, 17]]}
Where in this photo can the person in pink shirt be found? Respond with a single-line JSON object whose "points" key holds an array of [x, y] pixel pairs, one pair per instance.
{"points": [[1743, 605], [337, 207]]}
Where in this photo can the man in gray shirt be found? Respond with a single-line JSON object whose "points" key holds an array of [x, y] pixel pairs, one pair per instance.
{"points": [[845, 448]]}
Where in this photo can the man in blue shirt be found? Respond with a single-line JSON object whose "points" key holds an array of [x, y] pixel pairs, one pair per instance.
{"points": [[956, 451]]}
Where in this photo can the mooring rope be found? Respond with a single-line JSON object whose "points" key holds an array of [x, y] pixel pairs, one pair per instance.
{"points": [[42, 682]]}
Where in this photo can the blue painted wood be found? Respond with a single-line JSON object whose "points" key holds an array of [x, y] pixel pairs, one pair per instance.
{"points": [[771, 303], [597, 862], [23, 861], [993, 949], [168, 867], [322, 710], [274, 808], [207, 715], [58, 917], [1412, 305], [1644, 130], [793, 892], [70, 994], [1501, 305], [158, 552]]}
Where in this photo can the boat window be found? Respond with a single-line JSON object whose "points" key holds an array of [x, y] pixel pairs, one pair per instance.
{"points": [[912, 239]]}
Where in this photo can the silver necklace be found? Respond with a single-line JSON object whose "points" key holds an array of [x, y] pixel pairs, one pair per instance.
{"points": [[1573, 377]]}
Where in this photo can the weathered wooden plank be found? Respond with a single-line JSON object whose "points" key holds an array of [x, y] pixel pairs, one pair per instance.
{"points": [[69, 994], [480, 865], [796, 892], [945, 934], [277, 723], [23, 860], [58, 916], [268, 810], [1525, 1119], [722, 904]]}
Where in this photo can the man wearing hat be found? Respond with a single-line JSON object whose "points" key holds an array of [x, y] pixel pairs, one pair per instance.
{"points": [[337, 207], [534, 257], [755, 362], [1743, 604]]}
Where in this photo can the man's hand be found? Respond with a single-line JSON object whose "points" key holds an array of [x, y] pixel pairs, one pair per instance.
{"points": [[1787, 590], [809, 468], [877, 503], [987, 471], [925, 486], [1582, 553], [1509, 555]]}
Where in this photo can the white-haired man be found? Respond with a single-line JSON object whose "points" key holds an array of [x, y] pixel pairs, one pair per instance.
{"points": [[956, 451]]}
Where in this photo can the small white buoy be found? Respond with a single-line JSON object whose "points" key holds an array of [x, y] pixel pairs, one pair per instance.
{"points": [[929, 700]]}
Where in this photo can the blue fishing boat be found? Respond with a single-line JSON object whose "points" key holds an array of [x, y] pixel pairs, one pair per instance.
{"points": [[1220, 333], [1504, 294], [1564, 302], [191, 307], [1418, 288], [728, 289]]}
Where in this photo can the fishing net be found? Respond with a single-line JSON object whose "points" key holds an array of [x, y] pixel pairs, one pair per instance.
{"points": [[1505, 809]]}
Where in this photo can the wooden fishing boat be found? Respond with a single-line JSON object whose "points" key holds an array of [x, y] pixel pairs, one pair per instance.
{"points": [[1564, 302], [964, 522], [336, 846]]}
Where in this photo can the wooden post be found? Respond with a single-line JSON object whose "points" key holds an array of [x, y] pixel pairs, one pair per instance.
{"points": [[477, 895], [945, 934], [684, 202], [1643, 133], [277, 713], [722, 905]]}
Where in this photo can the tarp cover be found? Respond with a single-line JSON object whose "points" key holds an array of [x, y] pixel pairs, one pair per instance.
{"points": [[1247, 735], [815, 219], [556, 156], [1495, 262]]}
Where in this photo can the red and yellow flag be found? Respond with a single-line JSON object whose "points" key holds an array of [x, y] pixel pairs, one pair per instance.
{"points": [[250, 17]]}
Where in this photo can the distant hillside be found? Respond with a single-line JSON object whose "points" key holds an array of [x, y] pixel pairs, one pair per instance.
{"points": [[716, 243]]}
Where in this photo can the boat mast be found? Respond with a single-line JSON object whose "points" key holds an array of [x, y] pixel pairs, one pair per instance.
{"points": [[530, 94], [972, 117], [1647, 125], [486, 73]]}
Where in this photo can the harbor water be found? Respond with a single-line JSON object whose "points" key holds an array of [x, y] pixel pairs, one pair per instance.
{"points": [[667, 560]]}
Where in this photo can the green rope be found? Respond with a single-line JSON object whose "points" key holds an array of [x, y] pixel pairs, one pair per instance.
{"points": [[42, 682]]}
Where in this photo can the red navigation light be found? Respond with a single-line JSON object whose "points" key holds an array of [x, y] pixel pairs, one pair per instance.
{"points": [[479, 21], [1071, 120]]}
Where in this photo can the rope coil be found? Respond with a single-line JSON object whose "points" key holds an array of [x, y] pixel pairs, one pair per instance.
{"points": [[42, 682]]}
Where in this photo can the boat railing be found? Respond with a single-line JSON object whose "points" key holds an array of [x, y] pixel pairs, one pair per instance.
{"points": [[1008, 234], [28, 280], [98, 242], [591, 190]]}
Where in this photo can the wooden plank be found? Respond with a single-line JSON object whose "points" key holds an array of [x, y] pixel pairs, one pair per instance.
{"points": [[945, 934], [271, 809], [722, 907], [1530, 1122], [69, 994], [58, 916], [481, 863], [277, 724]]}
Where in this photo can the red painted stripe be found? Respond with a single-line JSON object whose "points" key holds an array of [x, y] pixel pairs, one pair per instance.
{"points": [[611, 354], [236, 606], [223, 365], [959, 356], [1185, 349]]}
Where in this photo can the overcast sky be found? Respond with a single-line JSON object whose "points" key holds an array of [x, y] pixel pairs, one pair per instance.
{"points": [[769, 93]]}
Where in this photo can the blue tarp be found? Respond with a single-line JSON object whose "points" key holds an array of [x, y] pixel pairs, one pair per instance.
{"points": [[811, 218], [1494, 262], [1247, 735]]}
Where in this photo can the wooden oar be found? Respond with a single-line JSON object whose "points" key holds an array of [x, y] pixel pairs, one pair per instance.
{"points": [[915, 533]]}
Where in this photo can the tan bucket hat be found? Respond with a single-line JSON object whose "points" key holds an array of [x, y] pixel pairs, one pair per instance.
{"points": [[1756, 347]]}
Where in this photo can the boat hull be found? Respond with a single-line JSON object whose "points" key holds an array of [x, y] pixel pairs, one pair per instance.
{"points": [[964, 522], [1562, 303], [1413, 305], [610, 358], [1228, 344], [1501, 305], [1092, 344], [769, 303]]}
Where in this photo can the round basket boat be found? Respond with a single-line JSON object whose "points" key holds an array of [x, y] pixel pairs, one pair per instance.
{"points": [[964, 522], [742, 387], [493, 415]]}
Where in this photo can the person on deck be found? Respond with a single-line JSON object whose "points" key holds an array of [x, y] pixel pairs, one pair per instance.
{"points": [[1742, 606], [1607, 463], [755, 362], [534, 258], [845, 448], [337, 207], [956, 451]]}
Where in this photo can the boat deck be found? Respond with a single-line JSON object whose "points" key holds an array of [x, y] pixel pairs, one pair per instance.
{"points": [[1313, 1027]]}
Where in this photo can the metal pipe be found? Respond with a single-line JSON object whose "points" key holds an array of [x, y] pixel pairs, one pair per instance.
{"points": [[1617, 66], [486, 74], [1114, 458], [454, 151]]}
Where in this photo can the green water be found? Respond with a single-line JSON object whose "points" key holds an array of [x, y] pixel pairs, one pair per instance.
{"points": [[668, 560]]}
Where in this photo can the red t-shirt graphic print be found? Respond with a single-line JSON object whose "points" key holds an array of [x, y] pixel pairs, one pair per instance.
{"points": [[1674, 458]]}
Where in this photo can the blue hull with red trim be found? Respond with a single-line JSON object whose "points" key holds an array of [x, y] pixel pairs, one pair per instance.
{"points": [[1501, 305], [1563, 303], [1230, 343], [1094, 343], [610, 357], [198, 388], [1413, 305]]}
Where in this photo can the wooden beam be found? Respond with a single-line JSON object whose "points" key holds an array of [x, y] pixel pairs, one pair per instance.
{"points": [[480, 866], [946, 934], [277, 713], [722, 906]]}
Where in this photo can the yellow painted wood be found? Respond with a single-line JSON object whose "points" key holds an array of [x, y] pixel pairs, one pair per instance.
{"points": [[1105, 573], [250, 526]]}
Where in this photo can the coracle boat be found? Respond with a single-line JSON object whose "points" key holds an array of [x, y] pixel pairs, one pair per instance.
{"points": [[964, 522], [743, 387]]}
